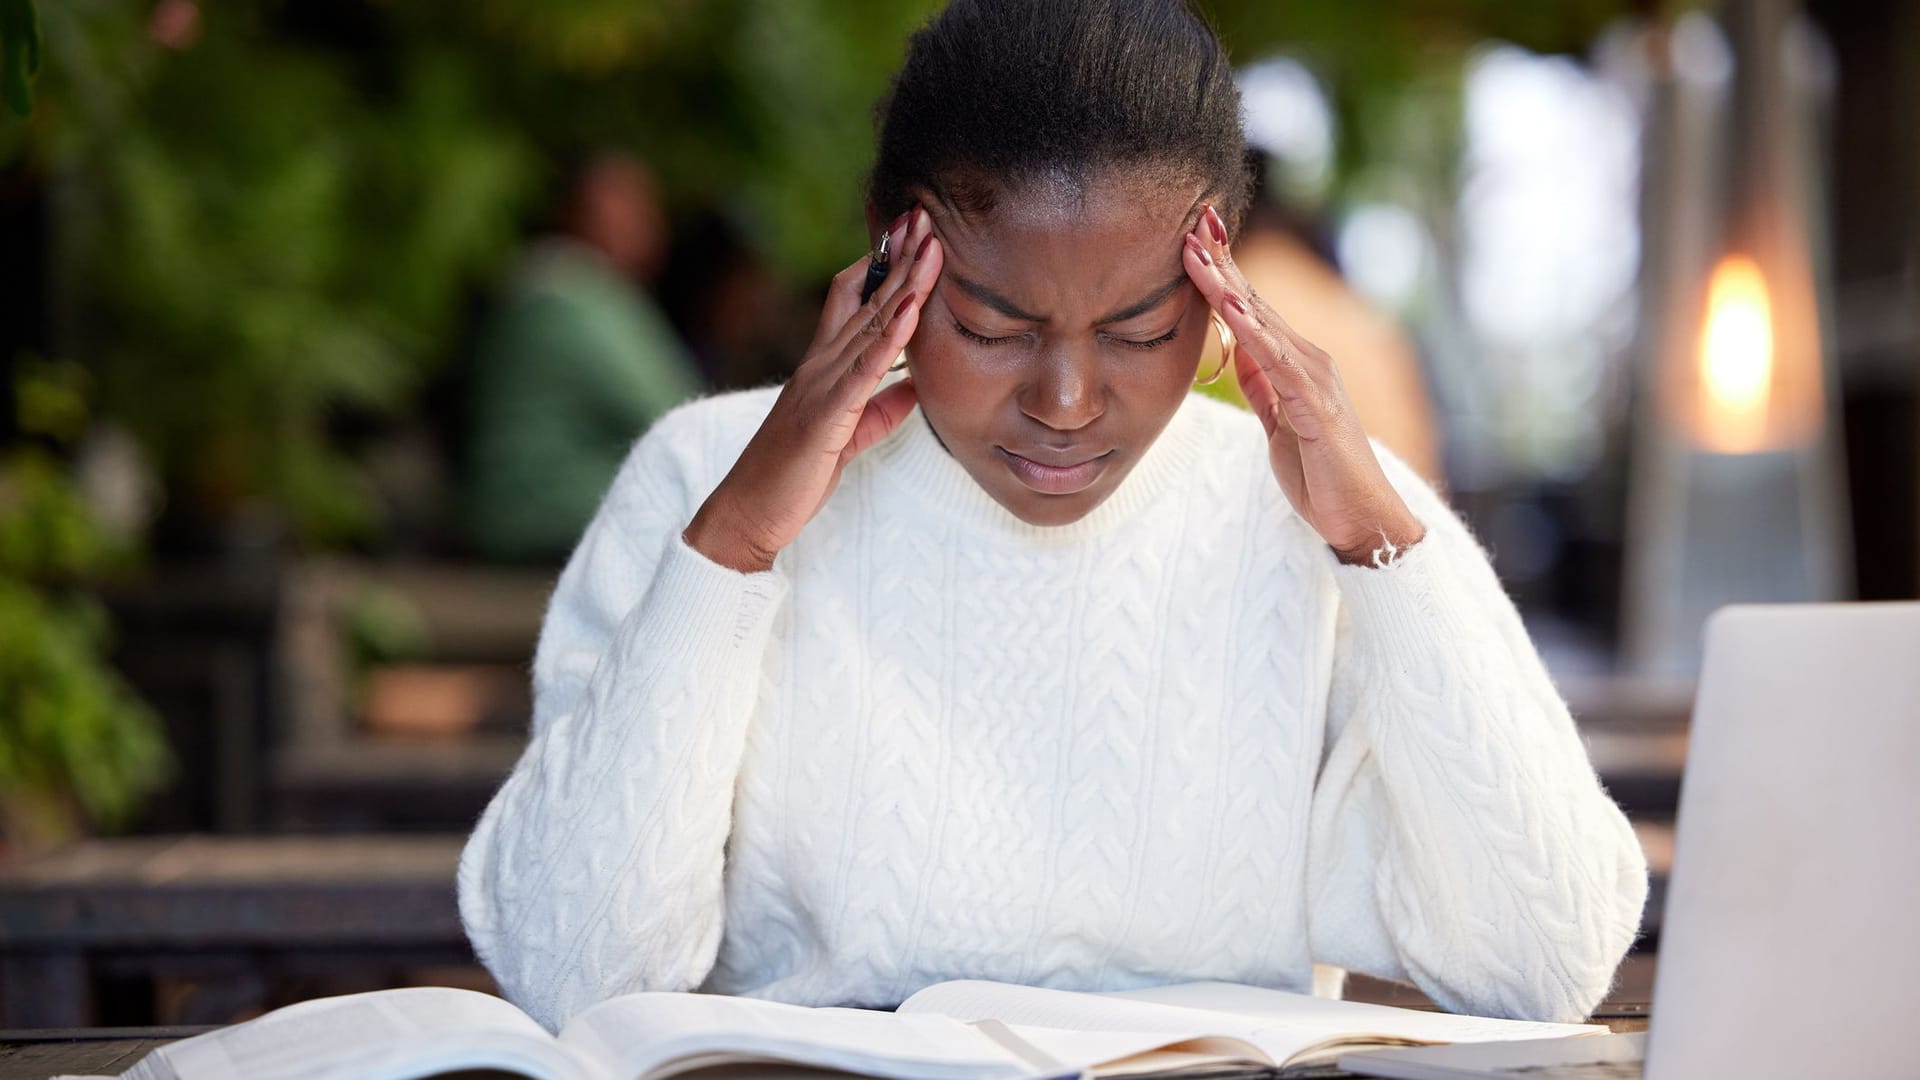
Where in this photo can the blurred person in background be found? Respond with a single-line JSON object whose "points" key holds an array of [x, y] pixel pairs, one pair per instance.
{"points": [[575, 362]]}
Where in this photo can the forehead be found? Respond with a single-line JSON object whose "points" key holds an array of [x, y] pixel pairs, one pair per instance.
{"points": [[1065, 248]]}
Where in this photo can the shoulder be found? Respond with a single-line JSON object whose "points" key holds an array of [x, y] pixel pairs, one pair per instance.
{"points": [[1231, 433], [1229, 453], [710, 423], [692, 445]]}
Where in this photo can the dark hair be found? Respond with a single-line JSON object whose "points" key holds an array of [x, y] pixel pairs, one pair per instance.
{"points": [[994, 93]]}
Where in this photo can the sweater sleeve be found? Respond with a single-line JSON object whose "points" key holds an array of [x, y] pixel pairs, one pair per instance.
{"points": [[596, 868], [1459, 836]]}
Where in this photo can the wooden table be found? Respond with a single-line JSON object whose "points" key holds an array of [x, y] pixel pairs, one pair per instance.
{"points": [[219, 904], [106, 1051]]}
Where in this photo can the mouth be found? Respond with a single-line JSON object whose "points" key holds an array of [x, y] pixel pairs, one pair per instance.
{"points": [[1063, 478]]}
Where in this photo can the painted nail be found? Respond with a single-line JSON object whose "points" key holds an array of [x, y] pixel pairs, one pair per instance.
{"points": [[921, 251], [1215, 226], [1235, 303], [1205, 259], [899, 221], [906, 304]]}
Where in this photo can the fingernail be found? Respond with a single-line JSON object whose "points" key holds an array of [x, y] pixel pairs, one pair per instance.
{"points": [[1215, 226], [921, 251], [906, 303], [1234, 303], [1205, 259]]}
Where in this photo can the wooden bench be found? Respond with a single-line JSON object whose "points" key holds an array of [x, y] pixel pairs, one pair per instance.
{"points": [[219, 908]]}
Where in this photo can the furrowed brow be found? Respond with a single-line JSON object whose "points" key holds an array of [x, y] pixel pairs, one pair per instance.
{"points": [[1146, 303], [990, 298], [1012, 310]]}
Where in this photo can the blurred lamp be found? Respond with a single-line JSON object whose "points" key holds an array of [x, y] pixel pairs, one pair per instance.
{"points": [[1736, 487]]}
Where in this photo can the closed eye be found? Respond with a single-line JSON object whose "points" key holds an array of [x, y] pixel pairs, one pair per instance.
{"points": [[1153, 343], [982, 338]]}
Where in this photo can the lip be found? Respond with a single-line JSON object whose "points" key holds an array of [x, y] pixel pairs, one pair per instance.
{"points": [[1054, 479]]}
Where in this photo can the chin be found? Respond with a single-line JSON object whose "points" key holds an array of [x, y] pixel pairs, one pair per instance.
{"points": [[1037, 509]]}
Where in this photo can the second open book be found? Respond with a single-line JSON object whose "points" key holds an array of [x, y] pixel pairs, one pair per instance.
{"points": [[961, 1029]]}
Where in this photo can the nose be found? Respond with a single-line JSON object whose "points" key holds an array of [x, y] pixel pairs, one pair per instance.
{"points": [[1066, 391]]}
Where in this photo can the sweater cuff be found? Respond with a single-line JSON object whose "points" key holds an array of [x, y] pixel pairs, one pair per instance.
{"points": [[1416, 601], [701, 609]]}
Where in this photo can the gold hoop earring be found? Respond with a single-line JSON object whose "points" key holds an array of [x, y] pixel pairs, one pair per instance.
{"points": [[1225, 334]]}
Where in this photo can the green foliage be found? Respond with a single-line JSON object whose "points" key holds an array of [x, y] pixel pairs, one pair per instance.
{"points": [[271, 226], [764, 105], [75, 743], [264, 240], [19, 53]]}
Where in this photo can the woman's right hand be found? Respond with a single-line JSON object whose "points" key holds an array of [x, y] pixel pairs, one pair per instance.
{"points": [[826, 413]]}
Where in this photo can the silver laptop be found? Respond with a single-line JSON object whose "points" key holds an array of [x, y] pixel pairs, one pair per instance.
{"points": [[1791, 940]]}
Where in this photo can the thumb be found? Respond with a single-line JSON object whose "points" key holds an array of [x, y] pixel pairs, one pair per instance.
{"points": [[884, 412]]}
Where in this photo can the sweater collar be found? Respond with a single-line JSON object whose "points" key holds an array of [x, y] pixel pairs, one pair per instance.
{"points": [[912, 458]]}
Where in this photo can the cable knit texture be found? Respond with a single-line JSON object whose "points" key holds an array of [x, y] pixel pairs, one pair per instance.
{"points": [[1174, 740]]}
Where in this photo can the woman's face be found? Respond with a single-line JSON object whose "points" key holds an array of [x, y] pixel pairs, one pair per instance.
{"points": [[1060, 339]]}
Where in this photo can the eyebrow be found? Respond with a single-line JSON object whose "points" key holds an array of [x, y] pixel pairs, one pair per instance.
{"points": [[1012, 310]]}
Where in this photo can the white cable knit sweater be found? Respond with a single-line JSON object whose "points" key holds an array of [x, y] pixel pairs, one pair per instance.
{"points": [[1174, 740]]}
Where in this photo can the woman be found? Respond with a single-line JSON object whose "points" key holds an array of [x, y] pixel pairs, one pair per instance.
{"points": [[1033, 665]]}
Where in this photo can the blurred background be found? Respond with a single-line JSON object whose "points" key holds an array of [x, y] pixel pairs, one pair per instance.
{"points": [[325, 324]]}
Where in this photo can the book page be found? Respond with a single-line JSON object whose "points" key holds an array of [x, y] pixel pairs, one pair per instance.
{"points": [[1284, 1025], [381, 1035], [665, 1034], [658, 1034], [980, 999], [1347, 1016]]}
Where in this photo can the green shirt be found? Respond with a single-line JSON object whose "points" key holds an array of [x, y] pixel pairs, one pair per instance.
{"points": [[574, 365]]}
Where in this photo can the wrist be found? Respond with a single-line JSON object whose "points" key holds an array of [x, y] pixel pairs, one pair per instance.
{"points": [[1385, 543], [713, 532]]}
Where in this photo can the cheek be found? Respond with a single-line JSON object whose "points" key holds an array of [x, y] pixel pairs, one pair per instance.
{"points": [[1167, 372], [949, 377]]}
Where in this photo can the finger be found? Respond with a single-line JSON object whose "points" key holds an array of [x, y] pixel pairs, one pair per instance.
{"points": [[1305, 403], [1204, 269], [874, 349], [884, 412], [911, 252], [843, 299], [1294, 375], [1210, 233]]}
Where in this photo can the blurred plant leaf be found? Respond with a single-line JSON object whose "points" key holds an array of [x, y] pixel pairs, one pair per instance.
{"points": [[76, 744], [19, 53]]}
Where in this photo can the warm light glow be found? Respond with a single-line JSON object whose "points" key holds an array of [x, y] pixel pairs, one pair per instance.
{"points": [[1736, 358]]}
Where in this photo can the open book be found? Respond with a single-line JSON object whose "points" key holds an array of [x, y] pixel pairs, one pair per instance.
{"points": [[961, 1030]]}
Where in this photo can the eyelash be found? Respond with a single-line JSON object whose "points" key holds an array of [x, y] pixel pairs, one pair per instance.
{"points": [[985, 340]]}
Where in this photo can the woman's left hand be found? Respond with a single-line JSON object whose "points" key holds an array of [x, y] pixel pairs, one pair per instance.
{"points": [[1319, 453]]}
